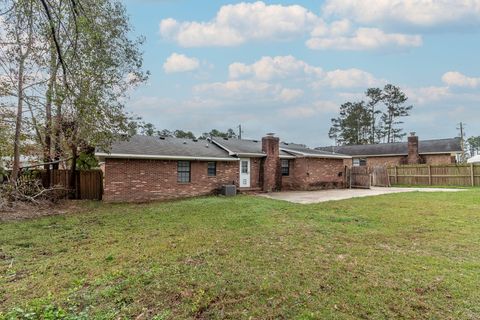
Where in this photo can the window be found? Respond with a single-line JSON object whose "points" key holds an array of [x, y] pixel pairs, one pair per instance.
{"points": [[285, 167], [359, 162], [244, 166], [212, 169], [183, 171]]}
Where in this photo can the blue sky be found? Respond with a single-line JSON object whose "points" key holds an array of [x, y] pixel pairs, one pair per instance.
{"points": [[286, 66]]}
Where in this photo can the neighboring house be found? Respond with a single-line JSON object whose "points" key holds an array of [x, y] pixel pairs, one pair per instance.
{"points": [[152, 168], [475, 160], [440, 151]]}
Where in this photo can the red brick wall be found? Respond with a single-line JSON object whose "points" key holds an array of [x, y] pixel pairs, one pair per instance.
{"points": [[385, 161], [314, 173], [271, 178], [255, 166], [439, 159], [144, 180]]}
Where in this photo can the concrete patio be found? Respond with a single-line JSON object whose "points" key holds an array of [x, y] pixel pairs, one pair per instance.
{"points": [[306, 197]]}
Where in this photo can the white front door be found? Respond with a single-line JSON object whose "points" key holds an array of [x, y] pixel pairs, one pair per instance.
{"points": [[244, 173]]}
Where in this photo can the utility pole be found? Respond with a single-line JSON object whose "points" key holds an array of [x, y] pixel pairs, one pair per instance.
{"points": [[461, 127], [240, 131]]}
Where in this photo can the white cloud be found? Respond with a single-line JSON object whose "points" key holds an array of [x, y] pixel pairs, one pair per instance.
{"points": [[336, 28], [291, 68], [419, 13], [425, 95], [317, 107], [237, 23], [288, 95], [238, 89], [457, 79], [361, 39], [247, 90], [180, 63], [349, 78], [268, 68]]}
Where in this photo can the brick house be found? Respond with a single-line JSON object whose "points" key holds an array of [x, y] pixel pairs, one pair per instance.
{"points": [[152, 168], [414, 151]]}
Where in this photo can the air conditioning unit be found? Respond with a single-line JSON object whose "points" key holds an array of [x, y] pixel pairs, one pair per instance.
{"points": [[229, 190]]}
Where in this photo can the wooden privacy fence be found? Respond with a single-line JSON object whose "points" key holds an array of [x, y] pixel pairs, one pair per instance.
{"points": [[89, 184], [359, 177], [436, 175], [366, 177]]}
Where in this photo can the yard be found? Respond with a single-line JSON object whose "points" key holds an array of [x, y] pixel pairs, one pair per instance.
{"points": [[409, 255]]}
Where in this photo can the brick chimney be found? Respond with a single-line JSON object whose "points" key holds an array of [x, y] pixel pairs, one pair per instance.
{"points": [[271, 170], [413, 155]]}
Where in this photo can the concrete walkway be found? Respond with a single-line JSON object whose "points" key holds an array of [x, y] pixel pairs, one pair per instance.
{"points": [[306, 197]]}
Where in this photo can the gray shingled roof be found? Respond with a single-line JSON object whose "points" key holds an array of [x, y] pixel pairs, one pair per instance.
{"points": [[174, 147], [400, 148], [302, 149], [154, 147], [240, 146]]}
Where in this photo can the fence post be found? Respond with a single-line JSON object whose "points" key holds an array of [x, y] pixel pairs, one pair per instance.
{"points": [[396, 175], [472, 174], [429, 174]]}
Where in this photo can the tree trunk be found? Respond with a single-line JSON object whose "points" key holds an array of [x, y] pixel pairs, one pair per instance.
{"points": [[47, 152], [19, 121], [58, 135], [73, 174]]}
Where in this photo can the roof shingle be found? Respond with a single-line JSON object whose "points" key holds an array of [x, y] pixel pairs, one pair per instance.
{"points": [[399, 148], [174, 147]]}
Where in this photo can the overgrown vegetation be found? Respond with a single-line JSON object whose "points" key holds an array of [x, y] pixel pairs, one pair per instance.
{"points": [[66, 68], [27, 190], [411, 255]]}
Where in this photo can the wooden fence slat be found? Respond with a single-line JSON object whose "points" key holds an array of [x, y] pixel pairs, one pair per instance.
{"points": [[453, 175], [472, 177], [89, 183]]}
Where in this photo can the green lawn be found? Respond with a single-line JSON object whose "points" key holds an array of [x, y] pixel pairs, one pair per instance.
{"points": [[412, 255]]}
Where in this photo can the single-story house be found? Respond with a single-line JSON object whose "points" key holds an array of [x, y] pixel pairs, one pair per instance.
{"points": [[475, 159], [156, 168], [439, 151]]}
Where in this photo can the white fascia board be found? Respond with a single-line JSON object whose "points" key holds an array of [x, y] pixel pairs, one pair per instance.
{"points": [[312, 155], [403, 154], [159, 157], [250, 155]]}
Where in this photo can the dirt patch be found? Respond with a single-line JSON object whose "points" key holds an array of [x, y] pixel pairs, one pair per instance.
{"points": [[24, 211]]}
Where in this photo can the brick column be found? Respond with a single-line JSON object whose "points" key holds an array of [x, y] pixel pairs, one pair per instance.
{"points": [[413, 155], [271, 170]]}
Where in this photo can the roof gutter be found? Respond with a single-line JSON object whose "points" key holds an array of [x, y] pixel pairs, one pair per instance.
{"points": [[159, 157], [312, 155], [402, 154], [250, 155]]}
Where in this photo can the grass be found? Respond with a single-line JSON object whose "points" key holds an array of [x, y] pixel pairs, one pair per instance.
{"points": [[411, 255], [433, 186]]}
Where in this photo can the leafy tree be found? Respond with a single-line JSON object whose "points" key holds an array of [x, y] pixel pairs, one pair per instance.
{"points": [[88, 62], [396, 108], [474, 145], [382, 114], [184, 134], [230, 133], [165, 133], [148, 129], [375, 97], [18, 58], [353, 124]]}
